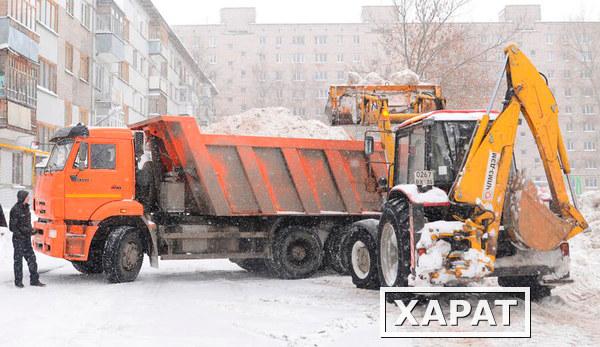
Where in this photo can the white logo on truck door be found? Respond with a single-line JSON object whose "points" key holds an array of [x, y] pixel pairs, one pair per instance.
{"points": [[490, 176]]}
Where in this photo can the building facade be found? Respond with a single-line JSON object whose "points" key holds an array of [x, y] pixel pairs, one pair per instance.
{"points": [[292, 65], [98, 62]]}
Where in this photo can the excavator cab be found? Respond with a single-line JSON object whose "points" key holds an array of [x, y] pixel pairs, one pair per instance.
{"points": [[429, 151]]}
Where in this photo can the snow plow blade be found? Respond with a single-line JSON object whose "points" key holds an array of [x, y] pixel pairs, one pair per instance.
{"points": [[536, 226]]}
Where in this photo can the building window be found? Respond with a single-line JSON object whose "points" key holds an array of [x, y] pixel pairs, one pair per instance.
{"points": [[298, 76], [568, 92], [591, 182], [47, 14], [340, 58], [589, 126], [278, 75], [321, 76], [70, 7], [69, 57], [124, 71], [278, 58], [212, 42], [589, 146], [586, 56], [298, 58], [23, 11], [320, 40], [212, 59], [47, 78], [320, 58], [588, 109], [570, 146], [587, 92], [356, 39], [298, 40], [549, 39], [591, 164], [86, 17], [340, 39], [262, 40], [278, 40], [568, 109], [17, 168], [84, 67], [341, 75], [569, 128], [567, 74]]}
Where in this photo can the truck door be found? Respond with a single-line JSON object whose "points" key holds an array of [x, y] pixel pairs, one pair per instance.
{"points": [[95, 178]]}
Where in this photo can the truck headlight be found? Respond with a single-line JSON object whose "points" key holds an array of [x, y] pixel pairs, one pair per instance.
{"points": [[52, 233]]}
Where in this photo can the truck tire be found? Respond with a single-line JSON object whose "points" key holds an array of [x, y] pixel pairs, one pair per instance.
{"points": [[123, 255], [362, 252], [393, 244], [536, 290], [297, 253], [335, 255], [93, 265], [251, 265]]}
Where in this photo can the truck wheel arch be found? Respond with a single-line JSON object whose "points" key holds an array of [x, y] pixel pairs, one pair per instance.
{"points": [[108, 224]]}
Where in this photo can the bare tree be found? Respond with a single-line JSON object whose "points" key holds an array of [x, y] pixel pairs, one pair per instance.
{"points": [[425, 39], [582, 45]]}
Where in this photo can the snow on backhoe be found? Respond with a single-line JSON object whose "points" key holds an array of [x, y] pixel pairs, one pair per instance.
{"points": [[459, 210]]}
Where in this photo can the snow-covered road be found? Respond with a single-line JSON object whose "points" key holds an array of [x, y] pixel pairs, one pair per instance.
{"points": [[215, 303]]}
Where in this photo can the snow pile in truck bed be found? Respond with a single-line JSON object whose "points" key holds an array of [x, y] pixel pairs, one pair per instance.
{"points": [[276, 122]]}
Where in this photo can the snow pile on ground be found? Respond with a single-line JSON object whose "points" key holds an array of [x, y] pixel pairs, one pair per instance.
{"points": [[277, 122]]}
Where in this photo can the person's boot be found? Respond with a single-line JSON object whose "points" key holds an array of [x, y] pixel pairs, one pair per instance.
{"points": [[19, 285], [38, 284]]}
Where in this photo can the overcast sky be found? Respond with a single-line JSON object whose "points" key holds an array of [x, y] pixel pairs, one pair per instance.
{"points": [[348, 11]]}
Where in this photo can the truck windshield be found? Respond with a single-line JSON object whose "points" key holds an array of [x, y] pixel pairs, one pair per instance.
{"points": [[59, 155]]}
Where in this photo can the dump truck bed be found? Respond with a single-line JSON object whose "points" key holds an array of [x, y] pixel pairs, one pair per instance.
{"points": [[232, 175]]}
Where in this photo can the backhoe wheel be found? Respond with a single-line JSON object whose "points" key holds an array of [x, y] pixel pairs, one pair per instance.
{"points": [[362, 252], [297, 253], [123, 255], [536, 290], [335, 255], [94, 263], [251, 265], [393, 244]]}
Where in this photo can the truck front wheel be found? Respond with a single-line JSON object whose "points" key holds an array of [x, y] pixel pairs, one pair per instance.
{"points": [[123, 255], [94, 263], [297, 253]]}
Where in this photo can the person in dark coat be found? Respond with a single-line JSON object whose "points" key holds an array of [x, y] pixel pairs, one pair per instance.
{"points": [[20, 226]]}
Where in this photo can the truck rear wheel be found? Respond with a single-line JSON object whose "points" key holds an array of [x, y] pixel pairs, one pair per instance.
{"points": [[362, 252], [335, 255], [393, 244], [94, 263], [297, 253], [251, 265], [123, 255]]}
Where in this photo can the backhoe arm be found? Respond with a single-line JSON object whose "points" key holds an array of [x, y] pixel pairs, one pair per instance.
{"points": [[484, 177]]}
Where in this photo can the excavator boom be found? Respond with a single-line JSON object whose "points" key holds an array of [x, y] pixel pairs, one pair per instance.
{"points": [[484, 177]]}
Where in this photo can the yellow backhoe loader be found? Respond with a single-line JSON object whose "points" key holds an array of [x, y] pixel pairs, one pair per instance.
{"points": [[451, 215]]}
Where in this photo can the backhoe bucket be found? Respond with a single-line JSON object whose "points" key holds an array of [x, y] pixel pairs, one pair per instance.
{"points": [[534, 225]]}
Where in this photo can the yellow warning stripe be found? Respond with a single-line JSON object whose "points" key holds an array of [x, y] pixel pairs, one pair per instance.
{"points": [[100, 196]]}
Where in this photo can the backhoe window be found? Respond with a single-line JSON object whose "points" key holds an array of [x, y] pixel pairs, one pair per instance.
{"points": [[449, 144], [416, 152], [60, 154]]}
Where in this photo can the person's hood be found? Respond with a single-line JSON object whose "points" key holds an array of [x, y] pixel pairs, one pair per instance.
{"points": [[21, 195]]}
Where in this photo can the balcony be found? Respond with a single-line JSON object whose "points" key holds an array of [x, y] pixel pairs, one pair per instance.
{"points": [[157, 49], [18, 40], [157, 83], [110, 46]]}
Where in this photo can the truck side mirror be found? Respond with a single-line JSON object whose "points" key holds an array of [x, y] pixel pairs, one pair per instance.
{"points": [[369, 145]]}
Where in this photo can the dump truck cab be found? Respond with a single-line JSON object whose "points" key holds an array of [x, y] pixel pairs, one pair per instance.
{"points": [[88, 179]]}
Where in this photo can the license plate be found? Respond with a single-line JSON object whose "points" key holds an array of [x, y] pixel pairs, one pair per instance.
{"points": [[424, 178]]}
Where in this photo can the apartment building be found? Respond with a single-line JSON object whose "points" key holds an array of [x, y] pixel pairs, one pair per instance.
{"points": [[98, 62], [292, 64]]}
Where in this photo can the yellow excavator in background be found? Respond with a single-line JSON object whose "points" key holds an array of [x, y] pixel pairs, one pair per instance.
{"points": [[382, 106], [452, 217]]}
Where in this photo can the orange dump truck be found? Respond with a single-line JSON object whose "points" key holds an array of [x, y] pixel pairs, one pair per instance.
{"points": [[107, 196]]}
